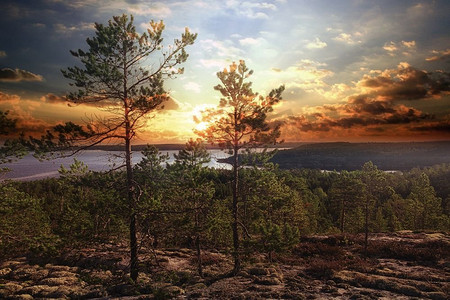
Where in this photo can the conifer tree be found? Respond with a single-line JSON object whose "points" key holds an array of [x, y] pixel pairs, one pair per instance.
{"points": [[240, 122], [192, 191], [113, 76]]}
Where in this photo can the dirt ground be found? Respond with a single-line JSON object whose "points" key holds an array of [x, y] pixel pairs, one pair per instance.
{"points": [[401, 265]]}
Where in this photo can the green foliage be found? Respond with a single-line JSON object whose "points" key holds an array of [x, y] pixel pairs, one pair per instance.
{"points": [[24, 225]]}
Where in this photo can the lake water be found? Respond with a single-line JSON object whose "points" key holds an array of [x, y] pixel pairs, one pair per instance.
{"points": [[30, 168]]}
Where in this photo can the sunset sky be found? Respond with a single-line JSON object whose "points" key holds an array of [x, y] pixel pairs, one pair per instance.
{"points": [[353, 70]]}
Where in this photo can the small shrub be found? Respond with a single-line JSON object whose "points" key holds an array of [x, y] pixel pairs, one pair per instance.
{"points": [[323, 268], [428, 251], [310, 249]]}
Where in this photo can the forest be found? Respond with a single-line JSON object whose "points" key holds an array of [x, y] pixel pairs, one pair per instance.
{"points": [[183, 201], [154, 228]]}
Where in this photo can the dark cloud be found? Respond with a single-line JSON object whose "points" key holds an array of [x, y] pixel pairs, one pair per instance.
{"points": [[406, 83], [10, 75], [363, 104], [442, 126]]}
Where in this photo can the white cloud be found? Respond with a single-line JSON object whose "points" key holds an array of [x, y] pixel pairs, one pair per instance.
{"points": [[251, 10], [251, 41], [155, 9], [347, 38], [316, 44], [306, 74], [219, 48], [213, 63], [193, 86], [63, 29]]}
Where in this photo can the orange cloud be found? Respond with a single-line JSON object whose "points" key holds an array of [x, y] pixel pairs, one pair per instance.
{"points": [[376, 112]]}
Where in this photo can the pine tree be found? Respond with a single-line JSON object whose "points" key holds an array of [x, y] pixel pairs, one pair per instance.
{"points": [[113, 76], [240, 122]]}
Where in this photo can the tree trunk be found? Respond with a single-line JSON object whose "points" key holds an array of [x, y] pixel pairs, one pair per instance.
{"points": [[366, 227], [237, 259], [342, 218], [132, 208], [199, 255]]}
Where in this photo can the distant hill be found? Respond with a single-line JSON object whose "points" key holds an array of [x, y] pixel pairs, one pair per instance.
{"points": [[175, 146], [351, 156]]}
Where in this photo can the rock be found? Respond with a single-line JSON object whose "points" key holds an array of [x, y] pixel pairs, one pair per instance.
{"points": [[9, 288], [258, 271], [96, 291], [54, 268], [436, 296], [57, 274], [5, 272], [268, 281], [23, 273], [122, 290], [59, 281], [328, 289], [39, 290], [174, 290], [22, 297]]}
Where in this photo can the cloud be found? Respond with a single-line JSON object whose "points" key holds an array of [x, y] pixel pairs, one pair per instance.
{"points": [[316, 44], [193, 86], [213, 63], [2, 54], [251, 10], [375, 110], [406, 83], [17, 75], [439, 55], [306, 74], [251, 41], [156, 9], [52, 98], [67, 30], [9, 98], [403, 47], [219, 48], [347, 38], [20, 109], [440, 126]]}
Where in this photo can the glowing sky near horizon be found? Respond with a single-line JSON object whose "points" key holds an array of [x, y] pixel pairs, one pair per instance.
{"points": [[353, 70]]}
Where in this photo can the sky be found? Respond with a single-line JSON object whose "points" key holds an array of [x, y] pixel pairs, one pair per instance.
{"points": [[354, 70]]}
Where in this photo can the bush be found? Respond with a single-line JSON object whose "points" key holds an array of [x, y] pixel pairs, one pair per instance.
{"points": [[323, 268], [430, 251], [24, 226]]}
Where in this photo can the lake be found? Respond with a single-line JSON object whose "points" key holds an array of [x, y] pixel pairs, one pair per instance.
{"points": [[30, 168]]}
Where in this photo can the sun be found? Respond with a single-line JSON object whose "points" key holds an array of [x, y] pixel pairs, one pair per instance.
{"points": [[197, 116], [202, 126]]}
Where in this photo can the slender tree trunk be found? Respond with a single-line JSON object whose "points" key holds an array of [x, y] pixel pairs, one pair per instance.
{"points": [[197, 243], [342, 218], [237, 259], [199, 255], [132, 207], [366, 226]]}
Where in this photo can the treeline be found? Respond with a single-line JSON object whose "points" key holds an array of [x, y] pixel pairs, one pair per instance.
{"points": [[351, 156], [185, 204]]}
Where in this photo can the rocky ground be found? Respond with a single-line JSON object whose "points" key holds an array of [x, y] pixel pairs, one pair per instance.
{"points": [[401, 265]]}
